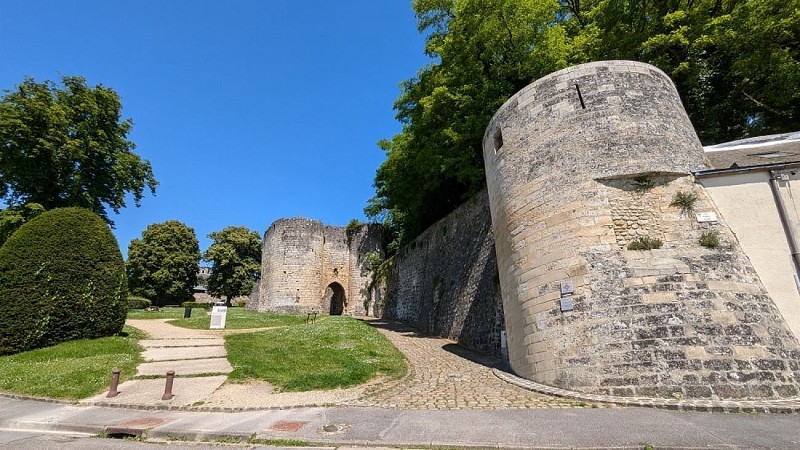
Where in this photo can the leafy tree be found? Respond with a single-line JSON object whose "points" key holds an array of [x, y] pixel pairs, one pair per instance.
{"points": [[736, 64], [61, 278], [235, 256], [15, 216], [485, 50], [67, 146], [162, 265]]}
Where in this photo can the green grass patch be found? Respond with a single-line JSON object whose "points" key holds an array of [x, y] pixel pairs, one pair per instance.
{"points": [[238, 319], [163, 313], [71, 370], [279, 442], [336, 352]]}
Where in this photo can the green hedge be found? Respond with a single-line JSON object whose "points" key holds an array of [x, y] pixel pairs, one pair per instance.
{"points": [[138, 303], [196, 305], [61, 278]]}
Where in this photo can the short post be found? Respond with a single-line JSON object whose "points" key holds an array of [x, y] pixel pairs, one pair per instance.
{"points": [[187, 313], [112, 391], [168, 387]]}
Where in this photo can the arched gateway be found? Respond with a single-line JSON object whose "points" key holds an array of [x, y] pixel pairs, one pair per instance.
{"points": [[335, 297]]}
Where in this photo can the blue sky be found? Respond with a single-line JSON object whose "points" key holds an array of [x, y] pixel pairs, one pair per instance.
{"points": [[249, 111]]}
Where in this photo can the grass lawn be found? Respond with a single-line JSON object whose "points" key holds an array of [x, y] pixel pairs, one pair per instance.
{"points": [[71, 370], [236, 319], [336, 352], [168, 312]]}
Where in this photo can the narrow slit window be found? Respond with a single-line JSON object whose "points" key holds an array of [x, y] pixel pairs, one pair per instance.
{"points": [[580, 97], [498, 140]]}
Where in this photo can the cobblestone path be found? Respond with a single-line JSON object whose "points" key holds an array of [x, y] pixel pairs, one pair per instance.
{"points": [[446, 376]]}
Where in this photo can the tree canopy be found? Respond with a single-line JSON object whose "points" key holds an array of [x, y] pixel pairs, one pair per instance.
{"points": [[15, 216], [736, 64], [162, 265], [235, 256], [67, 146]]}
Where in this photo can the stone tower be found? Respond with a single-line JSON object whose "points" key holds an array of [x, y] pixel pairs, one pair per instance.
{"points": [[307, 266], [580, 164]]}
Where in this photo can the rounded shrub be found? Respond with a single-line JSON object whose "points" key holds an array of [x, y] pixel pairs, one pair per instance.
{"points": [[138, 303], [61, 278]]}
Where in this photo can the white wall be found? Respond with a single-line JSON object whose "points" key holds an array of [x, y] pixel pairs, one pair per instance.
{"points": [[747, 204]]}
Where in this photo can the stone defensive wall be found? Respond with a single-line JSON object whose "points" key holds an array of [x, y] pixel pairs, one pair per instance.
{"points": [[445, 282], [307, 266], [579, 164]]}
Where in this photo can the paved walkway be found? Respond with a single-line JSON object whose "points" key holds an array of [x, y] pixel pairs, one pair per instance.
{"points": [[197, 357], [446, 376]]}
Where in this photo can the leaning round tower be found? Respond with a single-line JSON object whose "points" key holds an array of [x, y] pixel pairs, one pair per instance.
{"points": [[605, 286]]}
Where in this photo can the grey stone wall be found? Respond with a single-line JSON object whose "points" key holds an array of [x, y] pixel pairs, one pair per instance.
{"points": [[445, 282], [580, 163]]}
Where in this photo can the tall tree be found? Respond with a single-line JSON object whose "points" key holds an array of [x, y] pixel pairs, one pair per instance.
{"points": [[235, 256], [483, 52], [14, 217], [162, 265], [67, 146], [736, 64]]}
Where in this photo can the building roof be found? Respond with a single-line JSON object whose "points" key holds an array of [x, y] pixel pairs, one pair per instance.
{"points": [[755, 152]]}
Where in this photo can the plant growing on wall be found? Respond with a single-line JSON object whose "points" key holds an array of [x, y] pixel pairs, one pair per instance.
{"points": [[685, 201], [643, 184], [351, 229], [645, 243], [709, 239]]}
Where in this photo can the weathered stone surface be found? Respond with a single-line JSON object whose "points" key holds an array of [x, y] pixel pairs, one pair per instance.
{"points": [[307, 266], [571, 183], [445, 283]]}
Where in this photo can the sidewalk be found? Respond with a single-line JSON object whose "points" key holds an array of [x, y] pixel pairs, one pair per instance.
{"points": [[518, 428]]}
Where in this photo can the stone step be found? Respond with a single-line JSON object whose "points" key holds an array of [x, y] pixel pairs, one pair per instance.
{"points": [[179, 353], [186, 367]]}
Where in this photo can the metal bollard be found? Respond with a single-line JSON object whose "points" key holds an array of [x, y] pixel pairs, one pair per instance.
{"points": [[112, 391], [168, 387]]}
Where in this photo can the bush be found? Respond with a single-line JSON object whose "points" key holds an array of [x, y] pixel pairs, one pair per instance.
{"points": [[138, 303], [645, 243], [196, 305], [709, 239], [61, 278]]}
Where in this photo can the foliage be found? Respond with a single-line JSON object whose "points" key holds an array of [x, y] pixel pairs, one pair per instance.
{"points": [[235, 256], [684, 201], [238, 318], [645, 243], [736, 64], [643, 184], [14, 217], [709, 239], [71, 370], [162, 265], [204, 305], [373, 260], [484, 51], [67, 146], [351, 229], [61, 278], [138, 302], [336, 352]]}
